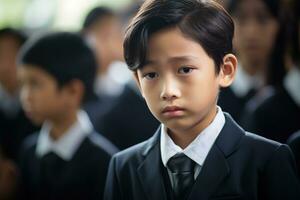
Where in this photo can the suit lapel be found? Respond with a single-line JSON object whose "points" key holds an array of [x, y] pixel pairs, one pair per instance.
{"points": [[215, 168], [149, 171]]}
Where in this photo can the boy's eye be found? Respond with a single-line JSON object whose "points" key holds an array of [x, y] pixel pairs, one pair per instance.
{"points": [[185, 70], [151, 75]]}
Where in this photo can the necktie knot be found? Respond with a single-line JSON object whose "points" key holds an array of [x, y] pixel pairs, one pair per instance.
{"points": [[180, 163]]}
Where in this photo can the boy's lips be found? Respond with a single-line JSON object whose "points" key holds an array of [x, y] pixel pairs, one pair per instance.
{"points": [[172, 111], [28, 113]]}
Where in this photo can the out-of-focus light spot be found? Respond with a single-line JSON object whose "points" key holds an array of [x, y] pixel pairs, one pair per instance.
{"points": [[39, 14]]}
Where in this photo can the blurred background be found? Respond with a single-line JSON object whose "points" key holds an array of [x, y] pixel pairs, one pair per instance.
{"points": [[264, 98], [36, 15]]}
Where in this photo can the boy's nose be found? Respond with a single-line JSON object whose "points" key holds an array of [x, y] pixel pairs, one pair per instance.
{"points": [[25, 96], [170, 91]]}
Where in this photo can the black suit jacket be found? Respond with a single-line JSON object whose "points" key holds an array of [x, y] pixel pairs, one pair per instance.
{"points": [[294, 143], [81, 178], [240, 165], [276, 118]]}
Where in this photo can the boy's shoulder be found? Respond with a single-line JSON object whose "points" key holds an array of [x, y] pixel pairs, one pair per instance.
{"points": [[235, 136], [27, 149], [94, 142], [30, 141], [260, 144]]}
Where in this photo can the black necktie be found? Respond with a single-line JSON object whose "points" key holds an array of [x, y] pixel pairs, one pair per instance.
{"points": [[182, 168], [50, 169]]}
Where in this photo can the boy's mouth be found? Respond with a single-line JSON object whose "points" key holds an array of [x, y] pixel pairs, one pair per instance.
{"points": [[172, 111]]}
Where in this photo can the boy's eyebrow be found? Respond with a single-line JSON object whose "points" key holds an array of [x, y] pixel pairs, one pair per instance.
{"points": [[182, 58], [149, 62], [173, 59]]}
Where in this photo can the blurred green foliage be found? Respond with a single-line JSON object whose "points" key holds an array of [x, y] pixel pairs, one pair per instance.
{"points": [[67, 14]]}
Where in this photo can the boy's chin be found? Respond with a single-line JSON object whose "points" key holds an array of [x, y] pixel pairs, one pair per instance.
{"points": [[36, 120]]}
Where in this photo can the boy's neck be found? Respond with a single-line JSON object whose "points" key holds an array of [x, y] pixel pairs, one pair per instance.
{"points": [[183, 138], [62, 124]]}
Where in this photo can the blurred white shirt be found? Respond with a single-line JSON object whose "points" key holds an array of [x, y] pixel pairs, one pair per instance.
{"points": [[112, 83]]}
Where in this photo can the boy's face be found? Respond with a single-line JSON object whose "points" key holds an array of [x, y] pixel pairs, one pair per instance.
{"points": [[41, 97], [179, 81], [9, 48]]}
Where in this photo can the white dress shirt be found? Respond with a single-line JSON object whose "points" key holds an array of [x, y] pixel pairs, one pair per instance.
{"points": [[198, 149], [66, 146], [112, 84]]}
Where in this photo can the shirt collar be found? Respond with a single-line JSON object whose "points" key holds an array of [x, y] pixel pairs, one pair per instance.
{"points": [[292, 84], [66, 146], [200, 146], [243, 82]]}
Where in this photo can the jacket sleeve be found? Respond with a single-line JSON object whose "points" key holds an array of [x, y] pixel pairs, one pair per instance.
{"points": [[281, 176], [112, 188]]}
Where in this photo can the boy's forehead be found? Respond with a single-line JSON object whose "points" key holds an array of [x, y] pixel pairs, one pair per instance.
{"points": [[28, 70], [171, 45]]}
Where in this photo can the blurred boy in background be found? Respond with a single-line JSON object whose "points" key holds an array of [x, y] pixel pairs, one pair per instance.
{"points": [[66, 159], [103, 31]]}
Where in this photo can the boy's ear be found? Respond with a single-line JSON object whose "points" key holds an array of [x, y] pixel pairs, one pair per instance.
{"points": [[228, 70], [137, 81], [75, 89]]}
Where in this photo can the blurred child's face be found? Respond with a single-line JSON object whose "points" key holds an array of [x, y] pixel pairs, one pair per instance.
{"points": [[179, 81], [256, 30], [108, 38], [41, 97], [9, 48]]}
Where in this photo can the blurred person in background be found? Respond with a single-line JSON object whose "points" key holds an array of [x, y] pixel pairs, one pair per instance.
{"points": [[66, 159], [102, 29], [278, 116], [135, 123], [259, 45], [14, 125]]}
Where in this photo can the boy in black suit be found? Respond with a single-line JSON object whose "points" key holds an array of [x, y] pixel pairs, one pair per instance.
{"points": [[67, 159], [180, 52]]}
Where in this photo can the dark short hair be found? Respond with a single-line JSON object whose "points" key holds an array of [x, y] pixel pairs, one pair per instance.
{"points": [[65, 56], [18, 35], [95, 15], [205, 22]]}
